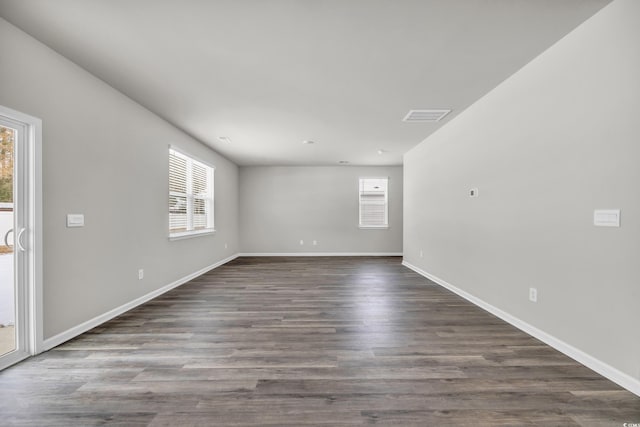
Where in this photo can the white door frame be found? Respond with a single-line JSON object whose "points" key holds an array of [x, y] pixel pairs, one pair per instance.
{"points": [[29, 337]]}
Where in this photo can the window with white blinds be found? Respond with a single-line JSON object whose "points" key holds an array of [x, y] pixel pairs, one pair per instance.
{"points": [[190, 196], [374, 203]]}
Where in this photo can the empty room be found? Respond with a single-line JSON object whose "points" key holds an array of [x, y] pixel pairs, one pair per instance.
{"points": [[319, 212]]}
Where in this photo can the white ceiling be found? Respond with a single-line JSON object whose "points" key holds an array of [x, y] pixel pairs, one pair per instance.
{"points": [[269, 74]]}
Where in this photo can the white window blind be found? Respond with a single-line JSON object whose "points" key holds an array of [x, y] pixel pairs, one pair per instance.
{"points": [[190, 196], [374, 206]]}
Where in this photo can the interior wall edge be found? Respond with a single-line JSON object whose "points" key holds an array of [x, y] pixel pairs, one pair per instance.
{"points": [[325, 254]]}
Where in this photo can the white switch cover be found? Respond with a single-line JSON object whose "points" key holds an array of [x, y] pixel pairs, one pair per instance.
{"points": [[75, 220], [606, 217]]}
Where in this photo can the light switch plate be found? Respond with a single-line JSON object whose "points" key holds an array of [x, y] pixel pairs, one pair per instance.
{"points": [[606, 217], [75, 220]]}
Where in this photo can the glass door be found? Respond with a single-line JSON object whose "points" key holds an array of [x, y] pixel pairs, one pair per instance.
{"points": [[7, 235], [20, 218]]}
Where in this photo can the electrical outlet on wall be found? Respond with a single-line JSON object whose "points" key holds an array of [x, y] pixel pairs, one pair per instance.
{"points": [[301, 242], [533, 294], [421, 254], [315, 243], [141, 274]]}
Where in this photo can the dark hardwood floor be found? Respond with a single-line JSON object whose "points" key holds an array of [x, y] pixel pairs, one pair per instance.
{"points": [[309, 341]]}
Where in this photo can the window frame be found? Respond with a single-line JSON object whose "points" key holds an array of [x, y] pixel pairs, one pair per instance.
{"points": [[209, 199], [386, 204]]}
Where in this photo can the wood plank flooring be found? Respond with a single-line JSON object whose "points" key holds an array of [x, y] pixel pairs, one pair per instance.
{"points": [[309, 341]]}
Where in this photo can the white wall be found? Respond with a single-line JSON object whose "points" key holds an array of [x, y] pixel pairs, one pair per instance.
{"points": [[555, 141], [106, 157], [279, 206]]}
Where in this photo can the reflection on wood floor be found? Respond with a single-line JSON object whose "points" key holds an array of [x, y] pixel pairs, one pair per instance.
{"points": [[309, 341]]}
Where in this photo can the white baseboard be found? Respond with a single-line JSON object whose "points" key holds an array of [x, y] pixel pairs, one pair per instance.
{"points": [[56, 340], [322, 254], [607, 371]]}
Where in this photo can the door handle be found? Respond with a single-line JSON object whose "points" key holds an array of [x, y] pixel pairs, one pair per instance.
{"points": [[18, 237], [6, 238]]}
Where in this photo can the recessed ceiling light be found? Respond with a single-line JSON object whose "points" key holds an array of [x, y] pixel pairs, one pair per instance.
{"points": [[224, 138], [343, 162], [308, 142]]}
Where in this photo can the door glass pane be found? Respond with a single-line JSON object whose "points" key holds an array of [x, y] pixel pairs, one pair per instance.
{"points": [[7, 282]]}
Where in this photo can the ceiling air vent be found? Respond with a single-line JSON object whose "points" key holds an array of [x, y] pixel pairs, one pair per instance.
{"points": [[425, 116]]}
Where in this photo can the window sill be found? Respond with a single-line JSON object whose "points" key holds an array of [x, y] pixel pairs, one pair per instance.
{"points": [[189, 234], [374, 227]]}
